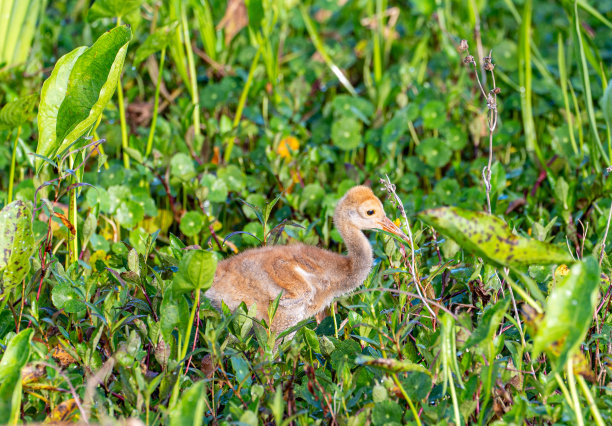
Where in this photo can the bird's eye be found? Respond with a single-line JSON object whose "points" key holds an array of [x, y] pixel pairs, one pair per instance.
{"points": [[370, 212]]}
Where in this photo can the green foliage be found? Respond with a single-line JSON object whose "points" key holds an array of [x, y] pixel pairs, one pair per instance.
{"points": [[13, 360], [14, 114], [490, 238], [244, 123], [196, 271], [16, 244], [18, 20], [76, 93], [569, 312]]}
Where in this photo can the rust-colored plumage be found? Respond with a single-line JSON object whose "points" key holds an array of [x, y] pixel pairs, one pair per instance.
{"points": [[309, 277]]}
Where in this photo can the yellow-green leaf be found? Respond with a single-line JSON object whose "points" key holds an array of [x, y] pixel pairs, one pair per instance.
{"points": [[16, 243], [489, 237], [15, 357], [569, 312], [51, 97]]}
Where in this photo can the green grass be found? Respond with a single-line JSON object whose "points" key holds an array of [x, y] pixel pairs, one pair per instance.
{"points": [[228, 143]]}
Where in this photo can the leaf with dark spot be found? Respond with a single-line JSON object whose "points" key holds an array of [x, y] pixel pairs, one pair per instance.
{"points": [[16, 243], [489, 237]]}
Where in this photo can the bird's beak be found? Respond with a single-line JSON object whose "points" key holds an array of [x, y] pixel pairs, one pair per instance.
{"points": [[386, 225]]}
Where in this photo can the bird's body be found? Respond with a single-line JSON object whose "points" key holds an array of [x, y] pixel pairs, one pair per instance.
{"points": [[309, 277]]}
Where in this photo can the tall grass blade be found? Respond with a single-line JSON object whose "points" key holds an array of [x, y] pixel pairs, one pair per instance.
{"points": [[584, 73], [316, 40], [524, 57]]}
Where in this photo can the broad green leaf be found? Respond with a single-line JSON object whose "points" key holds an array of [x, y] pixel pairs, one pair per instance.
{"points": [[51, 97], [66, 297], [130, 213], [16, 243], [310, 337], [15, 357], [196, 271], [346, 352], [155, 42], [112, 9], [182, 167], [15, 113], [488, 324], [433, 114], [352, 106], [241, 369], [191, 223], [216, 188], [191, 408], [569, 312], [417, 384], [395, 128], [489, 237], [92, 82], [434, 151], [234, 178], [346, 133], [387, 413], [174, 312]]}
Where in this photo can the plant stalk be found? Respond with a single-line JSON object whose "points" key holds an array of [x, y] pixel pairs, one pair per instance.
{"points": [[571, 380], [124, 134], [13, 164], [155, 103]]}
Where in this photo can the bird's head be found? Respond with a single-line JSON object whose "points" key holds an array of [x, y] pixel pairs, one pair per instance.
{"points": [[362, 209]]}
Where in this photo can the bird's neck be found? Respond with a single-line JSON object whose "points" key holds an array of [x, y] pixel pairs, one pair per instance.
{"points": [[359, 252]]}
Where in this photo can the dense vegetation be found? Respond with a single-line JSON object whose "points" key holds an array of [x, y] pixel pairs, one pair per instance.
{"points": [[206, 127]]}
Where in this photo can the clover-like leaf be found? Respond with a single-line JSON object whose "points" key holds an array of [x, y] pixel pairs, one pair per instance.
{"points": [[130, 213], [434, 151], [346, 133], [353, 106], [489, 237], [234, 178], [181, 166], [434, 114], [191, 223], [66, 297], [216, 188]]}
